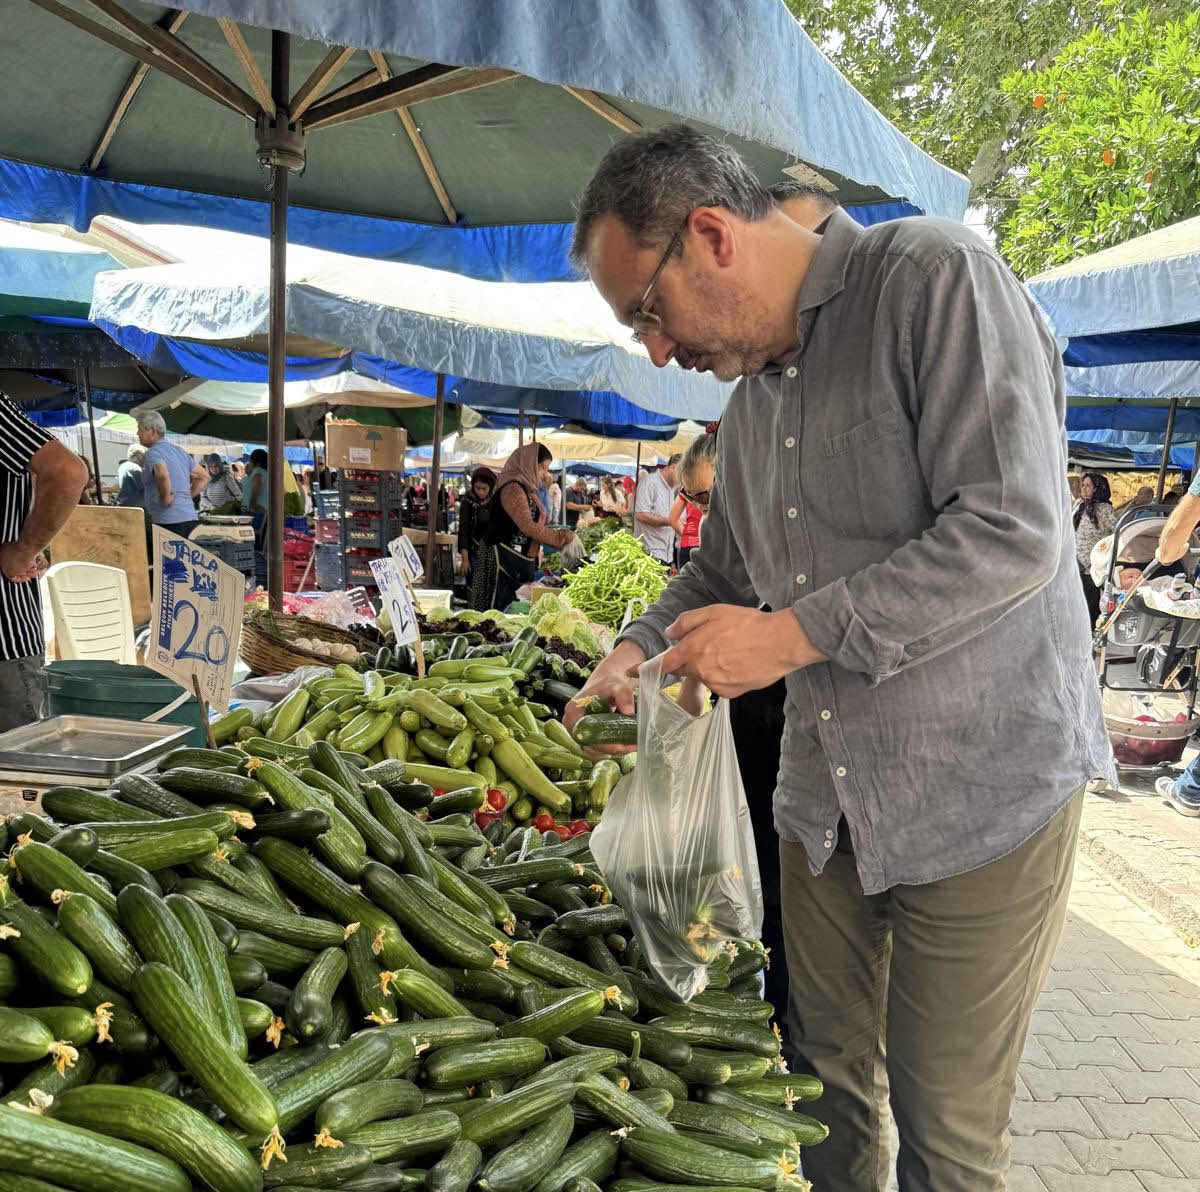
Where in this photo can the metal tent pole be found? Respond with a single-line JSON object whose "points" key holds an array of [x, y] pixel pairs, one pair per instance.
{"points": [[277, 333], [520, 428], [435, 479], [1166, 451], [637, 483], [91, 413]]}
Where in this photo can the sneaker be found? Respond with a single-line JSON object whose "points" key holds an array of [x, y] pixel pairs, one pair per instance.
{"points": [[1184, 804]]}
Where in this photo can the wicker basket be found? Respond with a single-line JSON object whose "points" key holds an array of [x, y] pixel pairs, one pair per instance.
{"points": [[268, 642]]}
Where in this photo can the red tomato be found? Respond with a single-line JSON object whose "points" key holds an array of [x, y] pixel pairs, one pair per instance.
{"points": [[578, 826], [544, 822], [438, 793], [496, 798], [562, 831], [484, 818]]}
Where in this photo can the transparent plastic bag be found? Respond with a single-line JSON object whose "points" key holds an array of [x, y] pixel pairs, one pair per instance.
{"points": [[676, 843]]}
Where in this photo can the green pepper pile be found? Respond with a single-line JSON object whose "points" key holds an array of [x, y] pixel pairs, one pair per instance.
{"points": [[620, 572]]}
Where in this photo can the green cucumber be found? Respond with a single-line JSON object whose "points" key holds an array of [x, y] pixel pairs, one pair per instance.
{"points": [[73, 805], [150, 796], [372, 1100], [592, 920], [360, 1058], [722, 1034], [562, 970], [561, 1017], [673, 1157], [519, 1166], [202, 759], [177, 1016], [96, 933], [256, 916], [405, 829], [304, 825], [215, 786], [712, 1120], [253, 868], [47, 870], [402, 1139], [365, 974], [614, 1105], [593, 1157], [10, 975], [78, 843], [317, 1167], [255, 1017], [493, 1119], [119, 872], [276, 958], [46, 952], [310, 1008], [455, 1170], [381, 844], [433, 1033], [166, 1125], [527, 873], [25, 1038], [782, 1088], [468, 1063], [168, 848], [47, 1079], [42, 1147], [805, 1130], [113, 834], [68, 1024], [159, 935], [605, 728], [422, 994]]}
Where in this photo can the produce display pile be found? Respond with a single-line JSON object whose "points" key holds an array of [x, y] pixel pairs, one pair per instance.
{"points": [[620, 571], [288, 966]]}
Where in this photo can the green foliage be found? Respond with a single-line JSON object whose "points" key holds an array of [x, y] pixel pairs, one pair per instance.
{"points": [[1113, 135]]}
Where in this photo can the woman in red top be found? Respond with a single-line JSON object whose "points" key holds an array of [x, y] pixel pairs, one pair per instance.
{"points": [[691, 503]]}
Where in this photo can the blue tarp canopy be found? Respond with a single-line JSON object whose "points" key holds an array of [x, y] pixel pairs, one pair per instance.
{"points": [[507, 106]]}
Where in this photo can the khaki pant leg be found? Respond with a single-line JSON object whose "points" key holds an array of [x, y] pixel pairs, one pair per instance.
{"points": [[837, 943], [969, 956]]}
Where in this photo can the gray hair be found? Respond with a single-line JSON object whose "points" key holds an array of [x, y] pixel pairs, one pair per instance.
{"points": [[652, 180], [702, 449], [151, 420], [781, 192], [135, 453]]}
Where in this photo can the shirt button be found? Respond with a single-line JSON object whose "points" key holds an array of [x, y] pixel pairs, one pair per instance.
{"points": [[792, 512], [828, 833], [789, 441], [791, 372], [840, 771], [829, 844], [826, 714], [802, 580]]}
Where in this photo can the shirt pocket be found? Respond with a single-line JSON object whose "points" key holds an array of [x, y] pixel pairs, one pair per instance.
{"points": [[871, 484]]}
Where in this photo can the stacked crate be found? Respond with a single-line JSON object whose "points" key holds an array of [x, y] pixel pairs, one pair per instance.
{"points": [[370, 519]]}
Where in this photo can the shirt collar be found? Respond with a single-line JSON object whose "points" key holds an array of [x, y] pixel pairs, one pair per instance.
{"points": [[826, 274]]}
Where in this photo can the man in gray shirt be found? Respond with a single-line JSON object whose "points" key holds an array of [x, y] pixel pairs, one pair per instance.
{"points": [[891, 479], [652, 507]]}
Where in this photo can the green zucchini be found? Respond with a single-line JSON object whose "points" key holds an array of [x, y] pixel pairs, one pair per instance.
{"points": [[46, 952], [520, 1165], [225, 728], [402, 1139], [44, 1148], [178, 1018], [317, 1167], [605, 728], [166, 1125], [468, 1063], [310, 1008], [371, 1100], [74, 805], [455, 1170]]}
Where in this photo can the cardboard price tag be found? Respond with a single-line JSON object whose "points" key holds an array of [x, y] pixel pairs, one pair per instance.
{"points": [[403, 551], [394, 596], [196, 613]]}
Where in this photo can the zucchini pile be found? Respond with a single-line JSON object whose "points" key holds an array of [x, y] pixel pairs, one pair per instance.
{"points": [[310, 971], [465, 726]]}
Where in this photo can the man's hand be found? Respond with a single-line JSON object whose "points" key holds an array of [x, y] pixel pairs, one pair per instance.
{"points": [[1171, 547], [19, 563], [613, 682], [732, 650]]}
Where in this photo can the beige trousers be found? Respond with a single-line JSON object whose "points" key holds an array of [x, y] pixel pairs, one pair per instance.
{"points": [[922, 996]]}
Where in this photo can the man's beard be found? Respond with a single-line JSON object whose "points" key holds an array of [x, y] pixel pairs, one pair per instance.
{"points": [[726, 356]]}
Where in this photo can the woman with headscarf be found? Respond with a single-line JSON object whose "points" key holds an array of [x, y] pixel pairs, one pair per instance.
{"points": [[517, 528], [473, 508], [1094, 519]]}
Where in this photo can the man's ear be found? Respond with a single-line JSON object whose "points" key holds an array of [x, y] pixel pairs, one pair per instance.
{"points": [[715, 230]]}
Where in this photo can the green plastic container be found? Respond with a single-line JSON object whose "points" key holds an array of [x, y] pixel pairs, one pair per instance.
{"points": [[87, 687]]}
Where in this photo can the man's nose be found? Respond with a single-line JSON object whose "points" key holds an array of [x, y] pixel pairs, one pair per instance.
{"points": [[661, 349]]}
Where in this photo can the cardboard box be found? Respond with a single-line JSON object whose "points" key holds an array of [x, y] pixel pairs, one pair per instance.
{"points": [[356, 447], [537, 591]]}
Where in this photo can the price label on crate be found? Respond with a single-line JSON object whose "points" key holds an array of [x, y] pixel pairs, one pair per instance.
{"points": [[196, 617], [395, 598], [403, 551]]}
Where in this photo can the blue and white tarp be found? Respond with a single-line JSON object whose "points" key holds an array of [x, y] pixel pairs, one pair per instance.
{"points": [[36, 267]]}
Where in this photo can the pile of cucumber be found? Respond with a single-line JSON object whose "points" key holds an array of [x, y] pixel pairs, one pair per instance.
{"points": [[464, 726], [242, 972]]}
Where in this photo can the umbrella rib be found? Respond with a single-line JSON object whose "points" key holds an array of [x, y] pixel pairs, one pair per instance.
{"points": [[131, 88], [310, 90], [254, 76], [418, 144], [601, 106], [359, 83], [414, 86], [132, 48], [177, 51]]}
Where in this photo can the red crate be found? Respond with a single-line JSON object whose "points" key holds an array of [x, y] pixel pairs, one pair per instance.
{"points": [[328, 529]]}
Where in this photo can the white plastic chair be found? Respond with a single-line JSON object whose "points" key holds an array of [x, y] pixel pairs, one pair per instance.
{"points": [[92, 615]]}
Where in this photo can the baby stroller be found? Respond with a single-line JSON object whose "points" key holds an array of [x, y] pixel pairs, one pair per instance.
{"points": [[1147, 645]]}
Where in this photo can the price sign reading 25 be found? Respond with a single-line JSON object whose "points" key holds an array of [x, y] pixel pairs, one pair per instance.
{"points": [[395, 597]]}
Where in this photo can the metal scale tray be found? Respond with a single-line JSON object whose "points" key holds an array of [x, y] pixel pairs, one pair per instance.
{"points": [[94, 745]]}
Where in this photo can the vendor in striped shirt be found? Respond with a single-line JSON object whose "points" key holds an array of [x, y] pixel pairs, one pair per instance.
{"points": [[40, 483]]}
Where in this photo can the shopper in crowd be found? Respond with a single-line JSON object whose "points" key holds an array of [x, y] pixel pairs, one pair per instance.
{"points": [[473, 509], [130, 490], [238, 468], [91, 492], [613, 502], [223, 493], [912, 535], [167, 477], [652, 510], [29, 455], [255, 489], [518, 527], [695, 484], [579, 502], [1094, 518]]}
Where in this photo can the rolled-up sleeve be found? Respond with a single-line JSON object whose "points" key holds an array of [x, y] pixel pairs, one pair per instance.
{"points": [[987, 400]]}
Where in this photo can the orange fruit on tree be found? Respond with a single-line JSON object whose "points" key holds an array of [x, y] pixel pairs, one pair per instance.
{"points": [[1108, 157], [1039, 101], [1062, 97]]}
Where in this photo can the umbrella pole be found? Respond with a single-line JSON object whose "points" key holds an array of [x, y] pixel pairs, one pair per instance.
{"points": [[1166, 452], [91, 413], [520, 428], [435, 479], [637, 484], [277, 334]]}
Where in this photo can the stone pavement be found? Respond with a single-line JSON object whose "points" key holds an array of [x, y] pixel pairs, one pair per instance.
{"points": [[1109, 1093]]}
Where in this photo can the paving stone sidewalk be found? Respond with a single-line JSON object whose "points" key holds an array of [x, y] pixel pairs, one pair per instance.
{"points": [[1109, 1093]]}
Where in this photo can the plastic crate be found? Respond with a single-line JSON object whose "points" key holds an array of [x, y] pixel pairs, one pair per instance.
{"points": [[328, 529], [327, 567], [238, 555], [294, 574], [363, 532], [364, 495], [327, 502], [296, 522], [356, 570]]}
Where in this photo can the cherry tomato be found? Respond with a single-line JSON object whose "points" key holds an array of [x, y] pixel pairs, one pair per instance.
{"points": [[485, 818], [578, 826], [496, 799], [438, 793], [562, 831], [544, 822]]}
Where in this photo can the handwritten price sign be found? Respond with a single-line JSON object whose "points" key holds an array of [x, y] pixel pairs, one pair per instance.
{"points": [[395, 597], [196, 617], [403, 551]]}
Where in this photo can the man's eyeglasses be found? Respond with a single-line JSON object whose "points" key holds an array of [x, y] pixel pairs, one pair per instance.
{"points": [[645, 322], [700, 498]]}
